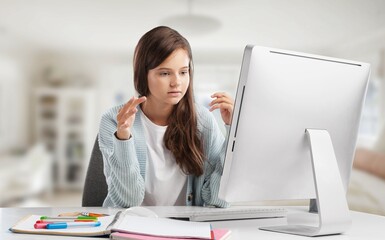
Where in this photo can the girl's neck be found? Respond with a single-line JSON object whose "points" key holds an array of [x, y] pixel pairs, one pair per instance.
{"points": [[157, 113]]}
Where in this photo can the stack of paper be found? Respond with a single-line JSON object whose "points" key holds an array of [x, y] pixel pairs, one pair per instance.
{"points": [[217, 234], [163, 227]]}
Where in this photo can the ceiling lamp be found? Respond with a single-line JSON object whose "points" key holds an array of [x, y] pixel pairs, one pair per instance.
{"points": [[192, 24]]}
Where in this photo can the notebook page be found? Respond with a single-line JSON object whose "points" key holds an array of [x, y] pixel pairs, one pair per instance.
{"points": [[163, 227], [219, 234]]}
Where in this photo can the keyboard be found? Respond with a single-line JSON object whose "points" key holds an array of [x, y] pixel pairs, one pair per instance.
{"points": [[200, 214]]}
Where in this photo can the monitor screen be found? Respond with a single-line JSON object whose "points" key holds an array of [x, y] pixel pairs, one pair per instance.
{"points": [[280, 94]]}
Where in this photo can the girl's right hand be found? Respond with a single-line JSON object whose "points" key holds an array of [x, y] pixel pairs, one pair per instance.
{"points": [[126, 117]]}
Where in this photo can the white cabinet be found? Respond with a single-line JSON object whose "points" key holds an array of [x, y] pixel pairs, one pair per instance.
{"points": [[66, 123]]}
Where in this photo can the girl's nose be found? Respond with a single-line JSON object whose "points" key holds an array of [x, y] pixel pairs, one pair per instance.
{"points": [[175, 81]]}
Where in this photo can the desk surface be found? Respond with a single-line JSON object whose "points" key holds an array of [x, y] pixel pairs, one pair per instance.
{"points": [[364, 226]]}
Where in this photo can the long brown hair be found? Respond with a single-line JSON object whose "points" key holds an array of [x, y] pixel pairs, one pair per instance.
{"points": [[182, 136]]}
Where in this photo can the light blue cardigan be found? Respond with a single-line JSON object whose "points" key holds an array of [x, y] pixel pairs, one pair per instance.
{"points": [[125, 162]]}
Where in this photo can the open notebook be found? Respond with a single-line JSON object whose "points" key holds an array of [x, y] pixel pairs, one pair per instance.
{"points": [[122, 222]]}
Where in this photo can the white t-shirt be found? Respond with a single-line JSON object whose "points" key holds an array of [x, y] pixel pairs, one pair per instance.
{"points": [[165, 183]]}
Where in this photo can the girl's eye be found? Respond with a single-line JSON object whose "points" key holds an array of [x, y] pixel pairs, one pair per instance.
{"points": [[164, 74], [184, 73]]}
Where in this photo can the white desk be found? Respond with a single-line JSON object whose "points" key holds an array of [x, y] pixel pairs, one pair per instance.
{"points": [[365, 226]]}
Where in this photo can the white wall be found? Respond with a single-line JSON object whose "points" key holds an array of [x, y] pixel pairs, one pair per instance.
{"points": [[13, 103]]}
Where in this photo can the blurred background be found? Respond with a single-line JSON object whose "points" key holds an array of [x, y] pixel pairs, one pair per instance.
{"points": [[63, 63]]}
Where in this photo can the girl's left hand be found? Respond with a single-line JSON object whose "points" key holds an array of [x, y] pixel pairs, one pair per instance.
{"points": [[225, 103]]}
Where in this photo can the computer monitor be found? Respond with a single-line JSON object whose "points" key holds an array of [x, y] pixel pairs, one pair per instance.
{"points": [[290, 110]]}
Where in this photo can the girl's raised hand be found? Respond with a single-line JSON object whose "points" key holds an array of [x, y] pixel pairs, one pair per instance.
{"points": [[225, 103], [126, 117]]}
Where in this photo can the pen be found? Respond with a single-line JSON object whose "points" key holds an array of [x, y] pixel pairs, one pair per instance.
{"points": [[63, 225], [91, 214], [40, 225], [68, 218], [43, 223], [65, 220]]}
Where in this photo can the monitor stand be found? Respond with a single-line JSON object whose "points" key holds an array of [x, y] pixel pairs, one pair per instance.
{"points": [[333, 211]]}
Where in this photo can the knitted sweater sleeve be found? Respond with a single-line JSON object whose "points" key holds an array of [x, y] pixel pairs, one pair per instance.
{"points": [[121, 166], [215, 148]]}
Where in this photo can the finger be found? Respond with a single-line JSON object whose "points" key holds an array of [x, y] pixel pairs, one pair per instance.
{"points": [[222, 106], [126, 105], [138, 101], [128, 114], [221, 100], [135, 102], [125, 122], [131, 104], [124, 125], [220, 95], [123, 113]]}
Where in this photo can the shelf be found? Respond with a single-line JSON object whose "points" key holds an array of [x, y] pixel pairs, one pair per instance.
{"points": [[65, 123]]}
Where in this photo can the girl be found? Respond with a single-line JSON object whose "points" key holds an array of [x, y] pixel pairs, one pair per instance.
{"points": [[161, 148]]}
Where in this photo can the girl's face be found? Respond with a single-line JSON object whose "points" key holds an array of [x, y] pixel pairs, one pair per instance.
{"points": [[169, 81]]}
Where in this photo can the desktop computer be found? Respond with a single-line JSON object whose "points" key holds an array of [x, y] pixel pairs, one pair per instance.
{"points": [[293, 133]]}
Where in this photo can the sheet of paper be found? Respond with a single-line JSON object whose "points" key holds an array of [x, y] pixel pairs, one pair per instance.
{"points": [[163, 227], [219, 234]]}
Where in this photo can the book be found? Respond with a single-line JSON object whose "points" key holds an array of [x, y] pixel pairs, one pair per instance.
{"points": [[123, 222], [218, 234], [201, 214]]}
